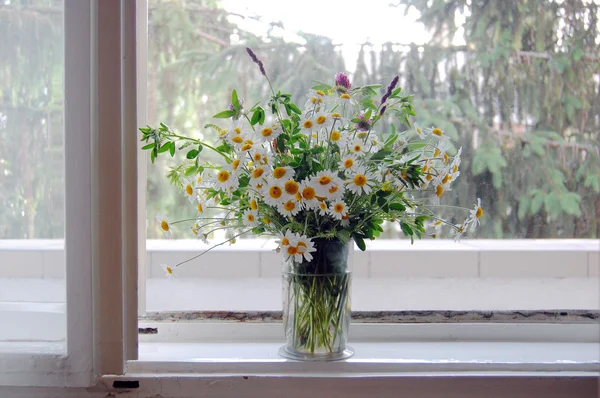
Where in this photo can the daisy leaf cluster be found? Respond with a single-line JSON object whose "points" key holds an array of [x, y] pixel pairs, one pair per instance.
{"points": [[319, 167]]}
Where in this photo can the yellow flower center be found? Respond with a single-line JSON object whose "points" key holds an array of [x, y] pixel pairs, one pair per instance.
{"points": [[437, 131], [275, 192], [257, 157], [301, 244], [200, 208], [348, 163], [338, 208], [235, 164], [336, 115], [285, 241], [333, 189], [360, 180], [321, 119], [321, 93], [164, 225], [246, 147], [324, 180], [250, 217], [322, 205], [298, 196], [189, 190], [291, 187], [436, 153], [362, 135], [237, 139], [446, 179], [455, 168], [223, 176], [253, 204], [289, 205], [425, 168], [169, 270], [266, 132], [479, 212], [439, 191], [335, 136], [345, 96], [237, 130], [419, 131], [279, 172], [267, 220], [429, 177], [313, 100], [357, 148], [292, 250], [437, 223], [307, 124], [309, 193], [445, 158]]}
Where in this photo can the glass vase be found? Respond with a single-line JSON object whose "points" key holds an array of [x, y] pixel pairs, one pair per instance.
{"points": [[316, 304]]}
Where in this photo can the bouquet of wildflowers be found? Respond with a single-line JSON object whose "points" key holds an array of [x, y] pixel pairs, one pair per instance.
{"points": [[317, 169], [313, 172]]}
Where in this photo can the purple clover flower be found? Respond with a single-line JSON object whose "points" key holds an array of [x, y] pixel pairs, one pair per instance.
{"points": [[390, 88], [342, 80], [240, 100]]}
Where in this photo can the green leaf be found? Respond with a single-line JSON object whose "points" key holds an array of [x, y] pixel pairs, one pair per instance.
{"points": [[234, 101], [295, 108], [381, 154], [165, 147], [189, 171], [192, 154], [224, 114], [172, 149], [360, 242], [406, 228], [149, 146], [255, 117], [570, 203], [397, 206], [536, 204]]}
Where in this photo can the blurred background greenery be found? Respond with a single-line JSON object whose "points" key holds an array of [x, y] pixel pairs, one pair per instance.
{"points": [[515, 83]]}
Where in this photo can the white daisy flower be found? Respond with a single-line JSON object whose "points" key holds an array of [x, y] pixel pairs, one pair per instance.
{"points": [[291, 187], [336, 189], [247, 146], [305, 247], [422, 133], [348, 163], [283, 172], [322, 121], [201, 205], [307, 126], [267, 133], [163, 224], [316, 100], [437, 133], [375, 143], [168, 270], [285, 239], [475, 214], [259, 174], [274, 192], [322, 181], [357, 147], [250, 218], [361, 181], [338, 137], [323, 209], [456, 162], [309, 194], [189, 191], [257, 155], [338, 209], [289, 208], [226, 179], [345, 221]]}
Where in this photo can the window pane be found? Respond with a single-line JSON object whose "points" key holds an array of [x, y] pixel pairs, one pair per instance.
{"points": [[521, 99], [32, 261]]}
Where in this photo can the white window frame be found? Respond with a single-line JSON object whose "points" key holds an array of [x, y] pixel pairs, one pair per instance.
{"points": [[98, 108]]}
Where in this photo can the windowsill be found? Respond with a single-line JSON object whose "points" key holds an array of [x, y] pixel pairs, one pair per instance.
{"points": [[381, 350]]}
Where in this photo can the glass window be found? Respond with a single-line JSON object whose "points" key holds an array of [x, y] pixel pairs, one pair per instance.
{"points": [[515, 84], [32, 187]]}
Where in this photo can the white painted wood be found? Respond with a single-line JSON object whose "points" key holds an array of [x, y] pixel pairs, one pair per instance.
{"points": [[130, 176], [108, 190], [473, 385], [142, 94]]}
